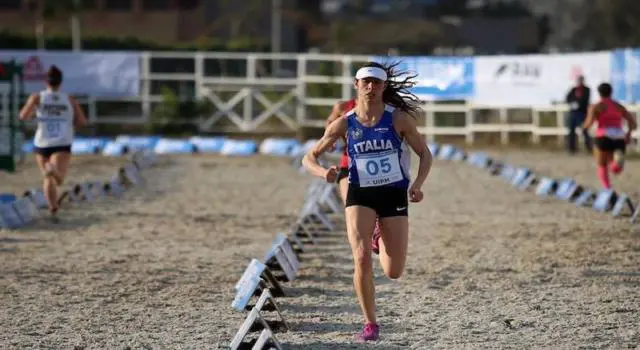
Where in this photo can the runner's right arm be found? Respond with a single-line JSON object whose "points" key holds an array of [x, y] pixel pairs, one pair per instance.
{"points": [[26, 113], [591, 116], [335, 130], [631, 120], [336, 112]]}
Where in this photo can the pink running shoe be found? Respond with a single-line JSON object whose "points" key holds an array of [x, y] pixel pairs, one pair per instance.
{"points": [[375, 241], [370, 332]]}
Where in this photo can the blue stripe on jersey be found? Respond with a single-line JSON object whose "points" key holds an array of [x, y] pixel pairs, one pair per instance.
{"points": [[376, 155]]}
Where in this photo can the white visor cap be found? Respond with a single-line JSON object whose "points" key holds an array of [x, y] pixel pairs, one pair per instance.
{"points": [[371, 72]]}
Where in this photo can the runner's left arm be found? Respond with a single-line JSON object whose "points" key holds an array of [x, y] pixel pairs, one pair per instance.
{"points": [[408, 129], [79, 118]]}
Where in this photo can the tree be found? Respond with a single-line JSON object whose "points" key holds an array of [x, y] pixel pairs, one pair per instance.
{"points": [[240, 17], [609, 24], [506, 9], [451, 8], [57, 8]]}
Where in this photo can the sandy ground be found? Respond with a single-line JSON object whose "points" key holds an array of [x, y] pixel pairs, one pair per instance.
{"points": [[489, 267]]}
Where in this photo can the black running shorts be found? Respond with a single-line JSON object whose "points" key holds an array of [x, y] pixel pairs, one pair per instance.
{"points": [[48, 151], [387, 201], [343, 173], [607, 144]]}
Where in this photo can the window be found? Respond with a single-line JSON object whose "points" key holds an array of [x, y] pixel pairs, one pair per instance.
{"points": [[119, 5], [156, 4]]}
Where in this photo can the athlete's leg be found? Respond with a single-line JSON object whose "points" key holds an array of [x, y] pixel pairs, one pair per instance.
{"points": [[48, 182], [616, 164], [394, 232], [42, 160], [343, 186], [56, 168], [360, 223], [393, 245], [375, 239], [602, 161], [60, 163]]}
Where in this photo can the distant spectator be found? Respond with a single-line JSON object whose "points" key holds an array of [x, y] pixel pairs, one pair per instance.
{"points": [[578, 99]]}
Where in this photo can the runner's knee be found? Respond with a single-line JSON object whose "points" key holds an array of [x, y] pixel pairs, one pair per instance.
{"points": [[393, 271], [49, 180]]}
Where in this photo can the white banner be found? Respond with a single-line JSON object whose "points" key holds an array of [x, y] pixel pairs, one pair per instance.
{"points": [[100, 74], [536, 80]]}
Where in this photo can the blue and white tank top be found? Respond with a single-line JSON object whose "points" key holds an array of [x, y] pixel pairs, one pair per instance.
{"points": [[377, 155], [54, 116]]}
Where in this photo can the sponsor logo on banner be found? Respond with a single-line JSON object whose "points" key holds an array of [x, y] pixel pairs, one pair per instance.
{"points": [[33, 69], [438, 77], [535, 80], [528, 73], [518, 72]]}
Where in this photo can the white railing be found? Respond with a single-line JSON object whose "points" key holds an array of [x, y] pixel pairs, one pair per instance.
{"points": [[291, 85]]}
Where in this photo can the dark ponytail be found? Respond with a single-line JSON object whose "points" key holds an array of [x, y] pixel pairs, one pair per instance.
{"points": [[54, 76]]}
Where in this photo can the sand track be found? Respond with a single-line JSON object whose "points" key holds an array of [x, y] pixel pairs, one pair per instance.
{"points": [[489, 267]]}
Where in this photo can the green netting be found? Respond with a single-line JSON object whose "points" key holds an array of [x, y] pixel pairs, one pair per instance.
{"points": [[11, 91]]}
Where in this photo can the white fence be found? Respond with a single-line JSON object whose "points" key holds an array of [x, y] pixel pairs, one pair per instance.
{"points": [[251, 96]]}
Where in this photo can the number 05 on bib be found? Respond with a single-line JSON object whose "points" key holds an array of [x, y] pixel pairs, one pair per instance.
{"points": [[379, 169]]}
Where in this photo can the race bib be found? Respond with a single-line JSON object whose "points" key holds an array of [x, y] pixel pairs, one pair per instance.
{"points": [[379, 169], [52, 128], [614, 133]]}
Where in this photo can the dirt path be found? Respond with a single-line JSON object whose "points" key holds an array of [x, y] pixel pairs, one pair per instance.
{"points": [[489, 267]]}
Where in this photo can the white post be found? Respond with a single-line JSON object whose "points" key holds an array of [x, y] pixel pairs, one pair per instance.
{"points": [[145, 81], [535, 129], [301, 105], [504, 121], [252, 74], [40, 34], [469, 122]]}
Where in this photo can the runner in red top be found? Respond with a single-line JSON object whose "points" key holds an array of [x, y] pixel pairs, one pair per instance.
{"points": [[611, 139], [339, 110]]}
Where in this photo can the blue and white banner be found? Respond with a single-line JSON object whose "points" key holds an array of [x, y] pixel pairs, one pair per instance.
{"points": [[99, 74], [439, 78], [625, 75]]}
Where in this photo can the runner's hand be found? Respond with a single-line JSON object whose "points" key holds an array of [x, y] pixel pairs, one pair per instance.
{"points": [[415, 194], [331, 175]]}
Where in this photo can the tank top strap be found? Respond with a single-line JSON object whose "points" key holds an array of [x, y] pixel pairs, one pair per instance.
{"points": [[389, 108]]}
